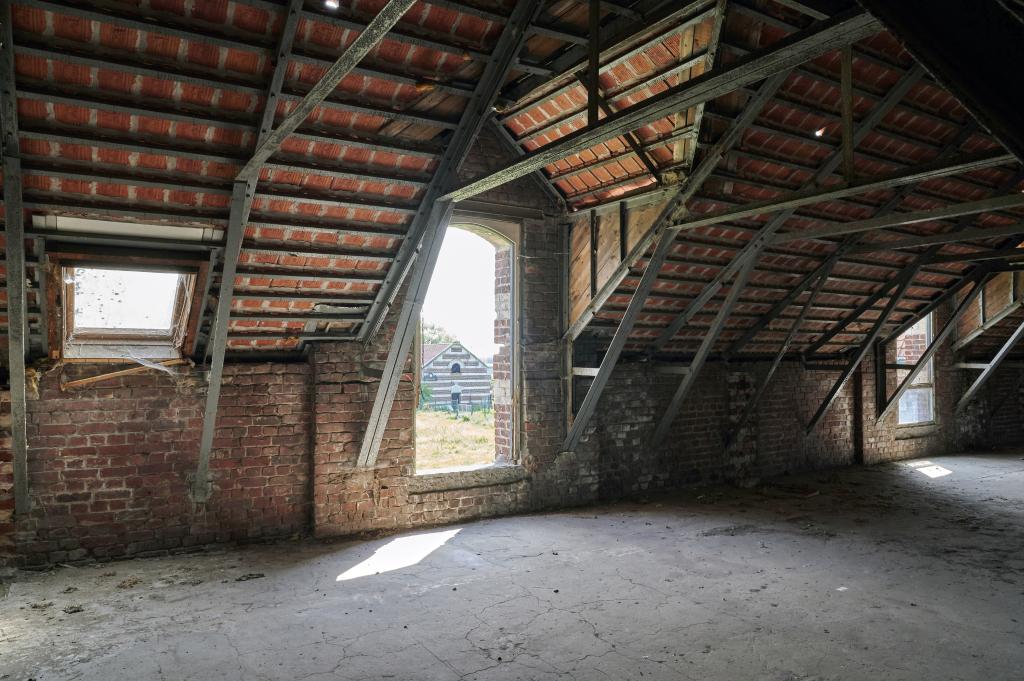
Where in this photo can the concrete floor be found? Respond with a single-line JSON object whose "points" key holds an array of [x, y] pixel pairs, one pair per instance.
{"points": [[886, 574]]}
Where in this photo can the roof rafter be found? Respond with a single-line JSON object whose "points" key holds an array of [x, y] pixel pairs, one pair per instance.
{"points": [[243, 194]]}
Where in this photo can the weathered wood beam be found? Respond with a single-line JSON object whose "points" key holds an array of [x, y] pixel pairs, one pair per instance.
{"points": [[988, 325], [625, 37], [424, 222], [14, 260], [827, 168], [666, 239], [681, 195], [953, 237], [846, 87], [974, 49], [947, 295], [762, 386], [242, 195], [923, 173], [952, 210], [904, 283], [592, 82], [749, 260], [368, 38], [989, 370], [783, 55]]}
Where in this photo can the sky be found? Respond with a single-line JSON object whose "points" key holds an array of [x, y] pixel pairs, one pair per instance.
{"points": [[118, 299], [461, 293]]}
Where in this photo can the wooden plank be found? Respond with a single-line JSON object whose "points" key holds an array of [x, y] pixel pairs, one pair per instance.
{"points": [[579, 265], [998, 294]]}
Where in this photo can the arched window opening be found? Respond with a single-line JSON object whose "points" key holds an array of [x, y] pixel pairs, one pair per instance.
{"points": [[465, 410]]}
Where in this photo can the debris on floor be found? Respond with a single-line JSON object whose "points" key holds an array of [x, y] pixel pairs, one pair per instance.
{"points": [[250, 575]]}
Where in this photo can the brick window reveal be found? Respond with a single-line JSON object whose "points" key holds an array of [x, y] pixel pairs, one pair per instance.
{"points": [[465, 414], [917, 405]]}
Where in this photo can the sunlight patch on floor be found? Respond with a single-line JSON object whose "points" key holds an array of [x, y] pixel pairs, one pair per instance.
{"points": [[932, 470], [401, 552]]}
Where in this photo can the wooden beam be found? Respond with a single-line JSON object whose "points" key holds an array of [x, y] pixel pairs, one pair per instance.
{"points": [[14, 261], [788, 208], [594, 227], [996, 319], [425, 223], [927, 171], [785, 54], [953, 210], [666, 238], [707, 344], [368, 38], [974, 49], [242, 194], [986, 374], [679, 197], [635, 144], [846, 80], [1015, 230], [762, 386], [592, 83], [866, 345]]}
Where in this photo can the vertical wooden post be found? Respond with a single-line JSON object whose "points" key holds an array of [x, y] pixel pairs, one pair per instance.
{"points": [[847, 95]]}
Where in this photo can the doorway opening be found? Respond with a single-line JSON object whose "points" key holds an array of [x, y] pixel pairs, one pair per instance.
{"points": [[464, 411]]}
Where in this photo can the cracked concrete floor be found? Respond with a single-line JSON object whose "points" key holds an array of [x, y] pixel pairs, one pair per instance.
{"points": [[887, 573]]}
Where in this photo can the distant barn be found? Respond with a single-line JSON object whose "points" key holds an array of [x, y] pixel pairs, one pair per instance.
{"points": [[444, 364]]}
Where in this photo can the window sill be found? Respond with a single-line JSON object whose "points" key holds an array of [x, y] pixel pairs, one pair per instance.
{"points": [[441, 480], [916, 430]]}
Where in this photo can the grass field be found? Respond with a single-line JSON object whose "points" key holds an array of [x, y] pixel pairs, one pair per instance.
{"points": [[444, 441]]}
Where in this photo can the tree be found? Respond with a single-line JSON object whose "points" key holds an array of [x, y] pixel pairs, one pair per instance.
{"points": [[434, 333]]}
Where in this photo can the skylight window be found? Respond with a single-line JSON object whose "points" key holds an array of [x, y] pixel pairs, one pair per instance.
{"points": [[120, 300], [125, 314]]}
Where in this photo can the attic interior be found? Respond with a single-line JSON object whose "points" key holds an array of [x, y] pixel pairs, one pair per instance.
{"points": [[725, 382]]}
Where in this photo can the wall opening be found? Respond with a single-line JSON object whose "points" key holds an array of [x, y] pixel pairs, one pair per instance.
{"points": [[917, 405], [464, 415], [118, 313]]}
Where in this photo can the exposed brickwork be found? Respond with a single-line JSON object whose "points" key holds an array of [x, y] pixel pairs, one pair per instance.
{"points": [[995, 417], [350, 499], [694, 451], [110, 465], [501, 370]]}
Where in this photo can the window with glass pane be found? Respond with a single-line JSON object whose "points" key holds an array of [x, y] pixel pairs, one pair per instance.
{"points": [[115, 301], [917, 405], [116, 313]]}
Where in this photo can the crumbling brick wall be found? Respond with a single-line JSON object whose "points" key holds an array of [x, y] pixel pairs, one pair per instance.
{"points": [[695, 450], [111, 464]]}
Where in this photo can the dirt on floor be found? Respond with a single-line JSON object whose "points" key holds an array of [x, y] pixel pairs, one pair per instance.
{"points": [[446, 440], [899, 572]]}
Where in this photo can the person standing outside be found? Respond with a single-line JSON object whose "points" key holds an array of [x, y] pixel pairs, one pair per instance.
{"points": [[456, 392]]}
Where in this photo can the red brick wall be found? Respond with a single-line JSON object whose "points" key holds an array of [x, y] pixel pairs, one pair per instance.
{"points": [[110, 466], [501, 370]]}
